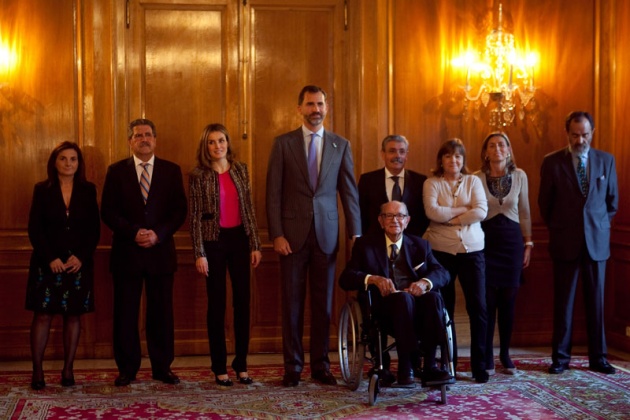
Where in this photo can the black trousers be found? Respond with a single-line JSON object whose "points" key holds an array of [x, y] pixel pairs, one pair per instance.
{"points": [[470, 269], [159, 324], [230, 253], [408, 318], [312, 264]]}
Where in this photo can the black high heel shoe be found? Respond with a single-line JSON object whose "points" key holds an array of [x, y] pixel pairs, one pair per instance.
{"points": [[244, 380], [223, 382], [67, 381], [38, 384]]}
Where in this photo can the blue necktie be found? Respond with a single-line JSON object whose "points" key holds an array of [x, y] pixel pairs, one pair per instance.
{"points": [[312, 162], [582, 178]]}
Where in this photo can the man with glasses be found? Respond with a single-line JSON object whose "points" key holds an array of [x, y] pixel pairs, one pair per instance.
{"points": [[403, 276]]}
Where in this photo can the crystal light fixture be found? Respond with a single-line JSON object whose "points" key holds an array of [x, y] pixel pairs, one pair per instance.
{"points": [[499, 79]]}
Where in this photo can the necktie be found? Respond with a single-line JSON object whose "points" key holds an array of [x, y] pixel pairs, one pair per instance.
{"points": [[312, 161], [394, 253], [396, 193], [581, 171], [145, 181]]}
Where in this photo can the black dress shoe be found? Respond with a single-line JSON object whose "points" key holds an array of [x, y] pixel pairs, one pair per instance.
{"points": [[291, 379], [481, 376], [324, 377], [436, 376], [123, 379], [224, 382], [167, 377], [603, 367], [557, 368], [406, 378]]}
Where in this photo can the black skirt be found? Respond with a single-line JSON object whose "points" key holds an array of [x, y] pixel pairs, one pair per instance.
{"points": [[504, 251], [60, 293]]}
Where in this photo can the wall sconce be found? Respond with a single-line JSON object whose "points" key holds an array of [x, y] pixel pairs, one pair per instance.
{"points": [[500, 79], [8, 57]]}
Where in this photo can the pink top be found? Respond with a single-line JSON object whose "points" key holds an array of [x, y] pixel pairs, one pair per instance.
{"points": [[229, 210]]}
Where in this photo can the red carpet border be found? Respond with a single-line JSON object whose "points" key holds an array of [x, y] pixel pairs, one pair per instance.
{"points": [[531, 394]]}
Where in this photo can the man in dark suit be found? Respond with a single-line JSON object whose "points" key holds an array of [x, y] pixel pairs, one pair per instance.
{"points": [[404, 277], [307, 168], [578, 199], [144, 204], [393, 182]]}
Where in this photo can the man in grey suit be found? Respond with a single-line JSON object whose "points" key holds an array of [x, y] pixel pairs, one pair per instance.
{"points": [[307, 168], [578, 199]]}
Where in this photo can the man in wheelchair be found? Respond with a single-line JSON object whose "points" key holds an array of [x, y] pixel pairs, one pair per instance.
{"points": [[403, 277]]}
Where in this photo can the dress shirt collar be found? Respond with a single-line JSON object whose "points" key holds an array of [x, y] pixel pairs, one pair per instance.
{"points": [[389, 243], [306, 133], [138, 161], [401, 175]]}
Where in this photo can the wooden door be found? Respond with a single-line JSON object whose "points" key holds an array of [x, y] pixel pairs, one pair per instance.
{"points": [[242, 64]]}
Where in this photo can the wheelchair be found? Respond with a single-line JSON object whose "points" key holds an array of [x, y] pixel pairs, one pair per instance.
{"points": [[360, 341]]}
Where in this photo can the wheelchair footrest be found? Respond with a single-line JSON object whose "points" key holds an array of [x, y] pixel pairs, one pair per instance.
{"points": [[439, 383]]}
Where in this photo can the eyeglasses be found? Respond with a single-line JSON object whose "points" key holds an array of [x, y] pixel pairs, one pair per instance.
{"points": [[389, 216]]}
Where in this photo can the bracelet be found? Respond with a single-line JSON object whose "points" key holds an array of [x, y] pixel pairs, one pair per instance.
{"points": [[530, 243]]}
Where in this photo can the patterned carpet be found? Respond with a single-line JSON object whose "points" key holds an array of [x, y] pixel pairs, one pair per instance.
{"points": [[531, 394]]}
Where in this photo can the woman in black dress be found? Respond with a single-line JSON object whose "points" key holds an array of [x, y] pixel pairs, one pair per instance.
{"points": [[64, 229], [508, 240]]}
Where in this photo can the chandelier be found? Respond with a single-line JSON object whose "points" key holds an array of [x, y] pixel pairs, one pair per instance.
{"points": [[499, 79]]}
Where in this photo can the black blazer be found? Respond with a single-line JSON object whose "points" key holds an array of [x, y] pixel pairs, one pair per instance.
{"points": [[124, 211], [55, 235], [372, 194], [369, 256]]}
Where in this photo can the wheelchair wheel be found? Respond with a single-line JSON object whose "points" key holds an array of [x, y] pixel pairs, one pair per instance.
{"points": [[373, 389], [351, 346]]}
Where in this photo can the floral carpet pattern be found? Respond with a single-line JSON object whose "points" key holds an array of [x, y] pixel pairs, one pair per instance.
{"points": [[531, 394]]}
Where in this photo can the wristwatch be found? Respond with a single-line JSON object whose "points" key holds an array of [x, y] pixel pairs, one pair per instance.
{"points": [[530, 243]]}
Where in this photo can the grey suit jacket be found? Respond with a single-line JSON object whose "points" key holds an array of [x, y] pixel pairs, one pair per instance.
{"points": [[571, 218], [292, 205]]}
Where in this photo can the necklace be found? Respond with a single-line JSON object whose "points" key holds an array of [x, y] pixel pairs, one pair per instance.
{"points": [[454, 186], [499, 186]]}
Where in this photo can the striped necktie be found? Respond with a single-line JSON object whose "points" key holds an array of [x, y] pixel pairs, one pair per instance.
{"points": [[145, 181]]}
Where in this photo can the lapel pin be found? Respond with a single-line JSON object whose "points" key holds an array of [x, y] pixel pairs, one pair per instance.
{"points": [[335, 145]]}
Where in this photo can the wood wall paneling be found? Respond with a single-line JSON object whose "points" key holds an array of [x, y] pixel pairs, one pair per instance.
{"points": [[186, 63]]}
